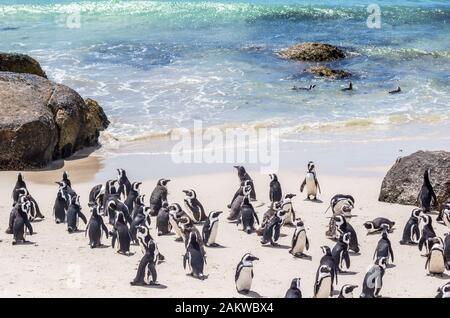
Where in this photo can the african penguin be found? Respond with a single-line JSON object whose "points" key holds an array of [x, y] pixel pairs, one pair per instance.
{"points": [[379, 224], [445, 214], [311, 183], [194, 209], [323, 282], [384, 248], [273, 208], [426, 232], [373, 280], [124, 183], [243, 276], [426, 193], [210, 228], [65, 178], [248, 216], [327, 259], [342, 226], [95, 228], [447, 250], [275, 192], [443, 291], [73, 214], [60, 207], [411, 231], [286, 205], [194, 257], [342, 204], [244, 176], [236, 202], [347, 291], [120, 235], [20, 223], [175, 213], [110, 191], [299, 241], [340, 252], [163, 224], [132, 195], [294, 291], [272, 230], [436, 262], [20, 184], [147, 267], [158, 196]]}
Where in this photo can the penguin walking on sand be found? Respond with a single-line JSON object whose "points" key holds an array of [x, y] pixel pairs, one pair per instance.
{"points": [[378, 225], [347, 291], [373, 280], [210, 229], [163, 224], [327, 259], [426, 232], [436, 262], [124, 183], [187, 227], [340, 253], [426, 194], [132, 195], [294, 291], [34, 211], [275, 192], [323, 282], [244, 176], [243, 276], [74, 214], [272, 230], [311, 183], [411, 232], [95, 228], [194, 209], [342, 227], [300, 240], [144, 239], [147, 267], [120, 235], [248, 216], [384, 248], [158, 196], [20, 223], [194, 258], [443, 291]]}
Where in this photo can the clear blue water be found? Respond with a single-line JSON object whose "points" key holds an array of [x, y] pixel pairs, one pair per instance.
{"points": [[158, 65]]}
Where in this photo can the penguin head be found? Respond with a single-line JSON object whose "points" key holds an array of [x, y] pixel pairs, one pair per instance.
{"points": [[140, 199], [324, 271], [190, 194], [426, 219], [65, 175], [416, 213], [185, 222], [142, 230], [347, 290], [214, 216], [62, 184], [427, 174], [94, 210], [369, 225], [110, 185], [299, 223], [112, 205], [325, 250], [174, 208], [311, 166], [289, 196], [295, 283], [121, 174], [381, 261], [248, 259], [276, 205], [339, 219], [241, 170], [273, 177], [163, 182], [281, 214], [120, 217], [19, 177], [247, 188], [135, 186], [444, 291], [385, 232], [22, 192]]}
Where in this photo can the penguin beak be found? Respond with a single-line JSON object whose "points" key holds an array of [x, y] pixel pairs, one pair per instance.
{"points": [[186, 191], [237, 167]]}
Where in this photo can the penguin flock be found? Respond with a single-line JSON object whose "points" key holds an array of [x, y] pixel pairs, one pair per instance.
{"points": [[120, 213]]}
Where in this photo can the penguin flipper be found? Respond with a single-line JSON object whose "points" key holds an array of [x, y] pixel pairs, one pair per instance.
{"points": [[317, 184], [256, 217], [185, 258], [391, 252], [82, 217], [347, 260], [307, 243], [105, 229], [113, 239], [302, 186]]}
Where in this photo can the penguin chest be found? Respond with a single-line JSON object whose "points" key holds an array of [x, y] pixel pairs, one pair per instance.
{"points": [[436, 265], [447, 220], [310, 184], [324, 288], [175, 227], [299, 244], [244, 281], [213, 233]]}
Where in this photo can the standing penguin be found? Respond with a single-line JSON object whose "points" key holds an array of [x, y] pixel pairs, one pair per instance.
{"points": [[34, 211], [323, 282], [163, 224], [445, 214], [340, 253], [327, 259], [73, 214], [347, 291], [342, 204], [60, 206], [210, 228], [132, 195], [373, 280], [121, 235], [411, 231], [311, 183], [436, 262], [175, 213], [110, 191], [20, 223], [275, 192], [299, 241], [194, 257], [426, 194], [95, 228], [287, 206], [124, 183], [194, 209], [384, 248], [141, 216], [427, 232], [147, 267], [65, 178], [294, 291], [379, 224], [243, 276], [273, 209], [443, 291], [235, 205], [158, 196], [20, 184], [342, 227], [447, 250], [244, 176], [248, 216], [272, 230]]}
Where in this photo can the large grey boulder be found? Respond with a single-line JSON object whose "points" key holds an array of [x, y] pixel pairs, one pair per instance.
{"points": [[313, 52]]}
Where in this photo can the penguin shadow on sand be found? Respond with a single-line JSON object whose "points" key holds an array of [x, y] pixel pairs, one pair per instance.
{"points": [[251, 294], [26, 243], [277, 246], [154, 286], [303, 257], [313, 200], [442, 276], [347, 273]]}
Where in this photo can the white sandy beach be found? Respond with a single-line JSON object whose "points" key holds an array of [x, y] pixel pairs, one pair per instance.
{"points": [[46, 268]]}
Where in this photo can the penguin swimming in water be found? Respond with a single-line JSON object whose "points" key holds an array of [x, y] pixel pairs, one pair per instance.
{"points": [[411, 231], [323, 282], [272, 230], [378, 225], [294, 291], [427, 232], [124, 183], [132, 195], [194, 257], [194, 209], [327, 260], [436, 262], [347, 291], [20, 223], [275, 192], [163, 224], [443, 291], [121, 238], [73, 214], [60, 207], [311, 183], [349, 88], [342, 227], [426, 193], [210, 228], [248, 216], [95, 228], [243, 276], [147, 267], [158, 196], [295, 88], [299, 241], [395, 91], [373, 280], [384, 248], [340, 253], [244, 176], [287, 206]]}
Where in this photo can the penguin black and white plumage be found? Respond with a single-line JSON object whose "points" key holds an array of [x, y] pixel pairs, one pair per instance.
{"points": [[194, 258], [175, 213], [114, 205], [426, 193], [436, 262], [340, 252], [144, 239], [379, 224], [323, 282], [384, 248], [65, 178], [163, 224], [243, 276], [95, 228], [342, 226], [187, 227], [121, 238], [107, 193], [426, 232], [447, 250], [210, 229], [248, 216], [294, 291], [194, 209], [272, 230], [311, 183], [347, 291], [300, 240], [235, 205], [20, 183], [124, 184], [244, 176], [327, 259], [60, 207], [20, 222], [73, 214], [140, 215], [34, 211], [273, 209], [342, 204], [96, 196], [411, 232], [147, 267], [275, 192], [158, 196], [445, 214], [132, 195], [286, 205], [443, 291], [373, 280]]}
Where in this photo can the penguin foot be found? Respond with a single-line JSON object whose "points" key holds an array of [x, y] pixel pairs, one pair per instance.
{"points": [[244, 291], [178, 239], [14, 242], [214, 245], [9, 231], [134, 283]]}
